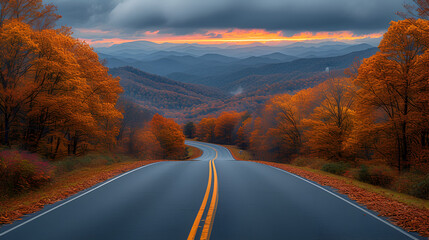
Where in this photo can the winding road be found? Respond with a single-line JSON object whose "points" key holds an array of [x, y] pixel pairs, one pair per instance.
{"points": [[212, 197]]}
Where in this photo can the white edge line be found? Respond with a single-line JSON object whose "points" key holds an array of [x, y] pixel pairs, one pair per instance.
{"points": [[74, 198], [351, 203]]}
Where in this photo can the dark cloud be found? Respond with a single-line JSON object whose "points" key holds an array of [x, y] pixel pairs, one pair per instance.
{"points": [[84, 13], [184, 15]]}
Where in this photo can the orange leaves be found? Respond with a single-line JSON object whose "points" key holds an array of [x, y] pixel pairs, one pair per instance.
{"points": [[382, 114], [57, 88], [145, 144], [169, 135], [222, 129], [32, 12], [332, 122], [394, 83], [225, 126], [205, 129]]}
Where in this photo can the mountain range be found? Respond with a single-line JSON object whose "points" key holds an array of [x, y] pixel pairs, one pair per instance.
{"points": [[185, 85]]}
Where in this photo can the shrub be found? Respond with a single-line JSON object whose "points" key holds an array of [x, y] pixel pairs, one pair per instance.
{"points": [[301, 161], [311, 162], [90, 160], [21, 171], [421, 189], [338, 168], [377, 175]]}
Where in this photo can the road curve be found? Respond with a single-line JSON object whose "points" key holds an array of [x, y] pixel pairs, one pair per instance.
{"points": [[212, 197]]}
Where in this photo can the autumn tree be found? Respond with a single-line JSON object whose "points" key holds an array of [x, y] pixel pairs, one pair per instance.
{"points": [[169, 135], [395, 82], [55, 95], [225, 127], [420, 9], [32, 12], [135, 118], [205, 129], [244, 133], [288, 128], [18, 48], [144, 144], [332, 122]]}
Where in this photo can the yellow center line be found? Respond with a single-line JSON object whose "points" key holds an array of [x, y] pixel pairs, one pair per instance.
{"points": [[197, 221], [205, 235]]}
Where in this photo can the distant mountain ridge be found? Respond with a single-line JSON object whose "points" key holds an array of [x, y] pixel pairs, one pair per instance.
{"points": [[300, 49], [303, 68], [196, 86], [224, 65], [160, 92]]}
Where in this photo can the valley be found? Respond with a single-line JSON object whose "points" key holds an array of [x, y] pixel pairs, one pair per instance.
{"points": [[189, 82]]}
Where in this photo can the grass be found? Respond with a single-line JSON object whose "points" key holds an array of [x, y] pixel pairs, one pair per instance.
{"points": [[240, 154], [193, 152]]}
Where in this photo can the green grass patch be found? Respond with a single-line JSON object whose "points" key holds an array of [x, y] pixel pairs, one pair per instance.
{"points": [[338, 168]]}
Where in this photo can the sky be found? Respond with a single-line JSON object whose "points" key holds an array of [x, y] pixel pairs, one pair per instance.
{"points": [[107, 22]]}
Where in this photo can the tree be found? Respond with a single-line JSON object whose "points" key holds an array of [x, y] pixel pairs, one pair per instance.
{"points": [[244, 132], [32, 12], [225, 125], [289, 124], [169, 135], [18, 48], [332, 122], [205, 129], [189, 130], [395, 82], [420, 9], [144, 144], [135, 117], [55, 96]]}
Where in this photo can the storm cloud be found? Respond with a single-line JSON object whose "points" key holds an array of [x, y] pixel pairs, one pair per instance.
{"points": [[178, 15]]}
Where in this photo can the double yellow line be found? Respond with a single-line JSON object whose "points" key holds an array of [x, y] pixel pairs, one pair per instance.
{"points": [[208, 222]]}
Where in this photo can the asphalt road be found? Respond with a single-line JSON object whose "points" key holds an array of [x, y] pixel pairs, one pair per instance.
{"points": [[212, 197]]}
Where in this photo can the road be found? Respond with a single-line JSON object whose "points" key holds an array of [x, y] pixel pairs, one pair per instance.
{"points": [[212, 197]]}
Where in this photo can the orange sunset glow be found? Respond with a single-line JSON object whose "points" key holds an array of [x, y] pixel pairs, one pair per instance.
{"points": [[235, 36]]}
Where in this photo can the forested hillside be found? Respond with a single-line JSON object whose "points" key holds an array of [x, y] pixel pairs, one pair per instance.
{"points": [[161, 93]]}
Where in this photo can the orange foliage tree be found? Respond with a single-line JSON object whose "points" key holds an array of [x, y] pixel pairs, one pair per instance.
{"points": [[279, 131], [32, 12], [144, 144], [420, 9], [244, 133], [331, 124], [169, 135], [205, 129], [394, 82], [226, 127], [55, 95]]}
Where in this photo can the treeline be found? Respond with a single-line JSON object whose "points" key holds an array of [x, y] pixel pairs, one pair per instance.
{"points": [[379, 112], [149, 136], [55, 96], [57, 99], [58, 102], [222, 129]]}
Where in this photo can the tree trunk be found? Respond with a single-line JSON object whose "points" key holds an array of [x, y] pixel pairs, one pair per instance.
{"points": [[6, 130], [404, 146], [75, 142]]}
